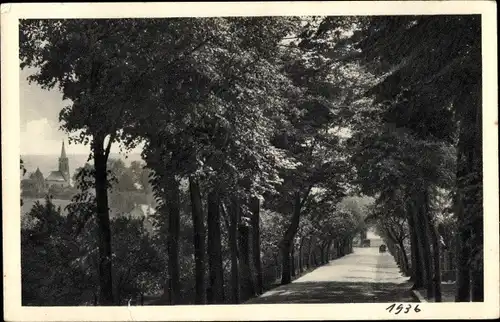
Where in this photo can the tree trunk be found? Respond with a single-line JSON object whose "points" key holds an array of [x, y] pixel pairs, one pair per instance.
{"points": [[325, 253], [247, 285], [320, 251], [450, 259], [216, 275], [277, 266], [198, 240], [314, 262], [103, 223], [405, 258], [118, 296], [476, 194], [427, 256], [329, 245], [424, 251], [477, 289], [301, 256], [234, 219], [334, 249], [309, 252], [255, 221], [286, 276], [431, 228], [469, 184], [292, 259], [288, 237], [477, 271], [476, 198], [416, 265], [173, 240], [463, 270], [400, 248], [463, 235], [394, 246]]}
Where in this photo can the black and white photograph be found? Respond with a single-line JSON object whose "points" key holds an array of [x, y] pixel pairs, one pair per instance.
{"points": [[240, 161]]}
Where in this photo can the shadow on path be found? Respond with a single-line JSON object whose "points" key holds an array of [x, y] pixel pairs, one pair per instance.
{"points": [[337, 292], [364, 276]]}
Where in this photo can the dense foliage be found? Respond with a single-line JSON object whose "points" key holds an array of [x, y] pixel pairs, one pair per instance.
{"points": [[270, 144]]}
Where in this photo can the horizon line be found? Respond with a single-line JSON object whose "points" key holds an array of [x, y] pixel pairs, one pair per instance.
{"points": [[55, 153]]}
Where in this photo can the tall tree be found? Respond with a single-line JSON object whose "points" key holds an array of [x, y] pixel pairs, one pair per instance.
{"points": [[256, 240], [85, 59], [430, 84], [439, 70], [106, 69], [216, 278], [198, 239], [206, 129]]}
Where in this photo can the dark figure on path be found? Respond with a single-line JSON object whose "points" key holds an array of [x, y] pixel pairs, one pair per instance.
{"points": [[381, 249]]}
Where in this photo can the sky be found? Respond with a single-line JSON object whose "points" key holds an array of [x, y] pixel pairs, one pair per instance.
{"points": [[40, 127], [40, 133]]}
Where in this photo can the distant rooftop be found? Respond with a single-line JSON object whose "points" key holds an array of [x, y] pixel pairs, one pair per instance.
{"points": [[56, 176]]}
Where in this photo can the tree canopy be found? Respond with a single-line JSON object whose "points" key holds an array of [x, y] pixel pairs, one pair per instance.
{"points": [[270, 143]]}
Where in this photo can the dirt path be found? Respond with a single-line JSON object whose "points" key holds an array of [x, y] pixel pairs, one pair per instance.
{"points": [[365, 276]]}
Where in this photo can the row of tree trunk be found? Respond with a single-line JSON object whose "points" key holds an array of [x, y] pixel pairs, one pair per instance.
{"points": [[469, 196], [425, 247], [467, 207], [426, 257], [246, 278], [246, 273], [244, 243], [311, 252], [399, 253]]}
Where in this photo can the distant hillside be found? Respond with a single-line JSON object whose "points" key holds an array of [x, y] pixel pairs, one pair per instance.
{"points": [[141, 211], [48, 162]]}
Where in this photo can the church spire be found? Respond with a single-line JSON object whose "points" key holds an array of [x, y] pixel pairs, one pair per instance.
{"points": [[64, 163], [63, 151]]}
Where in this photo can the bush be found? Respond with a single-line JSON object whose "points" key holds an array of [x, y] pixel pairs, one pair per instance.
{"points": [[59, 263]]}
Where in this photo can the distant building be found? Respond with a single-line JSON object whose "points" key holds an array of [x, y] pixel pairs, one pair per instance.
{"points": [[60, 177], [56, 183], [35, 185]]}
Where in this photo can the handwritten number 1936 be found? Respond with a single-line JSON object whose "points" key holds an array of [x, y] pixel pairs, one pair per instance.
{"points": [[402, 308]]}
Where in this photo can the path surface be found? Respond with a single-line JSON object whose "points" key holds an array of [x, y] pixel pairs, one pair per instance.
{"points": [[365, 276]]}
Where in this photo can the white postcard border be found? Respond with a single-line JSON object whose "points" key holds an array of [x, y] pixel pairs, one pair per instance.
{"points": [[13, 311]]}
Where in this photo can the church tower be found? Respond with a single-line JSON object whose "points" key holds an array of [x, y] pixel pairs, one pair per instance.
{"points": [[64, 163]]}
